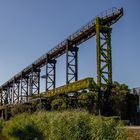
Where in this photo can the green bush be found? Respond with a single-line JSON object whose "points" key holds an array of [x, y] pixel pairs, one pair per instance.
{"points": [[21, 108], [58, 104], [70, 126], [1, 124], [87, 101], [107, 129], [1, 127], [22, 127], [66, 125]]}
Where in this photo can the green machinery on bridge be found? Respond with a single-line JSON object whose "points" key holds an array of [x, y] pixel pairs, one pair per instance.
{"points": [[87, 83]]}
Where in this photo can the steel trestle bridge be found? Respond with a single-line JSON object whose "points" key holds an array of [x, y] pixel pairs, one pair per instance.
{"points": [[27, 82]]}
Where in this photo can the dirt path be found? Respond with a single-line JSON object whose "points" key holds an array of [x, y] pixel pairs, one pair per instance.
{"points": [[133, 132]]}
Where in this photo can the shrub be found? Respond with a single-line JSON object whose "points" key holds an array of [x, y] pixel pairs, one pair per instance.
{"points": [[66, 125], [22, 127], [58, 104], [1, 124], [70, 125], [87, 101], [107, 129], [1, 127]]}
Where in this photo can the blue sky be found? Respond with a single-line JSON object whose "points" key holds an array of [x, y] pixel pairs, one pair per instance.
{"points": [[29, 28]]}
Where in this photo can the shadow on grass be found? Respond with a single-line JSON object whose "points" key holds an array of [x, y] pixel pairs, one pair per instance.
{"points": [[29, 132]]}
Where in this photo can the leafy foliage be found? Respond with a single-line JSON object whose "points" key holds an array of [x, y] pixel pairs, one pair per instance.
{"points": [[117, 101], [22, 127], [58, 104]]}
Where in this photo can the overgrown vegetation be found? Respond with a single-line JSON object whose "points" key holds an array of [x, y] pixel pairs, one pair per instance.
{"points": [[70, 123], [66, 125], [119, 103]]}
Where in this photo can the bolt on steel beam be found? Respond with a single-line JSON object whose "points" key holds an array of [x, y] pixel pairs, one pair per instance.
{"points": [[71, 63], [50, 73]]}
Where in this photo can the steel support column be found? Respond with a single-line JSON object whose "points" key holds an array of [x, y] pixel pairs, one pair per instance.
{"points": [[104, 59], [50, 73], [4, 96], [1, 97], [16, 90], [34, 81], [104, 63], [24, 93], [10, 93], [71, 63]]}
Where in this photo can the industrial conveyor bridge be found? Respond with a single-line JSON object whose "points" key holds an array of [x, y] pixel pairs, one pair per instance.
{"points": [[27, 82]]}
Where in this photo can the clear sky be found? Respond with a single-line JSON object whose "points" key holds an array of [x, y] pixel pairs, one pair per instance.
{"points": [[29, 28]]}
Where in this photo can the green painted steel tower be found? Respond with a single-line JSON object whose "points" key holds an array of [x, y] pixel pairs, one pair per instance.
{"points": [[104, 63], [104, 58]]}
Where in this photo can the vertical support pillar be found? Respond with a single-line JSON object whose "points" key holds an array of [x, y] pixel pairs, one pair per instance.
{"points": [[1, 98], [7, 94], [50, 73], [104, 61], [104, 58], [34, 84], [10, 93], [16, 89], [4, 96], [98, 52], [71, 63], [24, 88]]}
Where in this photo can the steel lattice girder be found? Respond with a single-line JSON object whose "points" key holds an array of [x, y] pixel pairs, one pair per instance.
{"points": [[34, 81], [16, 90], [71, 63], [9, 92], [104, 59], [24, 93], [6, 95], [50, 73], [4, 98]]}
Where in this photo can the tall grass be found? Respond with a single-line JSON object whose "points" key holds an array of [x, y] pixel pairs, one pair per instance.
{"points": [[66, 125]]}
